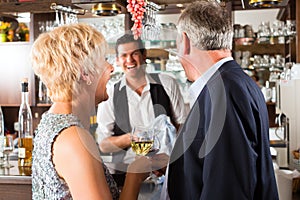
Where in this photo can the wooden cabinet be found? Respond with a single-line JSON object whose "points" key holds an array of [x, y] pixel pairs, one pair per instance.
{"points": [[14, 184], [287, 50], [264, 59], [15, 187]]}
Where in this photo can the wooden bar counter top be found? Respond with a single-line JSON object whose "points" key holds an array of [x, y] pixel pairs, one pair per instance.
{"points": [[14, 184]]}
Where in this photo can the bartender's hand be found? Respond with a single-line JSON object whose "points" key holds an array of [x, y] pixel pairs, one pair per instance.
{"points": [[159, 163], [115, 143]]}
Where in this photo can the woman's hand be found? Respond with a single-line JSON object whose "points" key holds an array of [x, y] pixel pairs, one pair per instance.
{"points": [[159, 163], [140, 168], [137, 172]]}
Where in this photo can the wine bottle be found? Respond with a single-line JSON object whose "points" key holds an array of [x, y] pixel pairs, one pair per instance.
{"points": [[25, 142]]}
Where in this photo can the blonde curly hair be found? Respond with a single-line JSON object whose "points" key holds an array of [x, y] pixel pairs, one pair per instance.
{"points": [[62, 56]]}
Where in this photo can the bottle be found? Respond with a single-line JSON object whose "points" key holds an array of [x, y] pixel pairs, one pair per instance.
{"points": [[25, 142], [1, 136], [93, 126], [1, 123]]}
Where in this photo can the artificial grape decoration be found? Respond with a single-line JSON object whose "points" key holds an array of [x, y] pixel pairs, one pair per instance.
{"points": [[136, 9]]}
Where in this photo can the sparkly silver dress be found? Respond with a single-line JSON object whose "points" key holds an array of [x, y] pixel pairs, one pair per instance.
{"points": [[46, 184]]}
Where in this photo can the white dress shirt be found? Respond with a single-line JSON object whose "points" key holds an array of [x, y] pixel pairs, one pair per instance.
{"points": [[196, 88], [141, 112]]}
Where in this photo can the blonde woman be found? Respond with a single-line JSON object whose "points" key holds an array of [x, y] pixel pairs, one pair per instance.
{"points": [[70, 60]]}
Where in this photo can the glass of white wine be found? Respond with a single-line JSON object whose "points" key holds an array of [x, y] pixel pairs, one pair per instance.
{"points": [[7, 150], [142, 140]]}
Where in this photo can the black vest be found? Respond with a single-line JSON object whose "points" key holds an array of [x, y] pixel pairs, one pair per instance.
{"points": [[161, 104]]}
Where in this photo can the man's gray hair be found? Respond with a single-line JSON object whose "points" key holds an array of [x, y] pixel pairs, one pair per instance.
{"points": [[207, 24]]}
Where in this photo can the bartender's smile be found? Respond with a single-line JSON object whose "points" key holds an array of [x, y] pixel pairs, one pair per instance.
{"points": [[130, 67]]}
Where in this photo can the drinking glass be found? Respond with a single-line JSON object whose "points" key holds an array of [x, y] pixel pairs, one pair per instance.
{"points": [[1, 150], [7, 150], [142, 140]]}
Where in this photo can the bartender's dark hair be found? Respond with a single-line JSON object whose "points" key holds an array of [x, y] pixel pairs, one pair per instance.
{"points": [[127, 38]]}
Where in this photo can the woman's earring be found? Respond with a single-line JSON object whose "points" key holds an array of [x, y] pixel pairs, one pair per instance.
{"points": [[86, 78]]}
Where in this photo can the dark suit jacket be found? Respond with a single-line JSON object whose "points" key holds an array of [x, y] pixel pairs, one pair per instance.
{"points": [[222, 151]]}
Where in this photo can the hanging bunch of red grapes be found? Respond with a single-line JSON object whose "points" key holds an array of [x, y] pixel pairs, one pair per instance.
{"points": [[137, 9]]}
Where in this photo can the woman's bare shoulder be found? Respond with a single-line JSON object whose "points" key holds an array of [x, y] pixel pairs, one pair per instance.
{"points": [[75, 146]]}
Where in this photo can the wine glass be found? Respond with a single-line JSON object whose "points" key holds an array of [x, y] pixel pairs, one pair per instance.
{"points": [[7, 150], [1, 150], [142, 140]]}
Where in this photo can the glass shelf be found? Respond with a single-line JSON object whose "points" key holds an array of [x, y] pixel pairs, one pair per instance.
{"points": [[154, 44]]}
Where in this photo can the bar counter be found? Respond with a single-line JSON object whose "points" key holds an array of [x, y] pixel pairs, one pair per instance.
{"points": [[14, 184]]}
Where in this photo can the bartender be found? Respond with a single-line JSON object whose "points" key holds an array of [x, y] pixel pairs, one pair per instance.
{"points": [[136, 100]]}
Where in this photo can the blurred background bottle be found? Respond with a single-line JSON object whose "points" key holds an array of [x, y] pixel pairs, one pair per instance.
{"points": [[93, 126], [1, 136], [25, 143]]}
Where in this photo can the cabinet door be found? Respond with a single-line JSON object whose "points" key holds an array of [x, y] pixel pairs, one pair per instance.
{"points": [[14, 66]]}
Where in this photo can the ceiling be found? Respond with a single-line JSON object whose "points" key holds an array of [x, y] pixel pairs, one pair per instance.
{"points": [[43, 6]]}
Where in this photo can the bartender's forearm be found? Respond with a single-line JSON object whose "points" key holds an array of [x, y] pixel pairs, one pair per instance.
{"points": [[115, 143]]}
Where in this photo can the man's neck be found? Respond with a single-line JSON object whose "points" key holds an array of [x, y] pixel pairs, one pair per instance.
{"points": [[137, 83]]}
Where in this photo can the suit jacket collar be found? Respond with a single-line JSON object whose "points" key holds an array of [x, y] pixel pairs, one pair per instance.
{"points": [[199, 84]]}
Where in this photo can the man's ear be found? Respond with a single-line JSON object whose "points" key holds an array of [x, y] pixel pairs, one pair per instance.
{"points": [[145, 54], [185, 44]]}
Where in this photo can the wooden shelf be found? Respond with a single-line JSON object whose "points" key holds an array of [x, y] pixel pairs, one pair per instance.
{"points": [[157, 53], [260, 49]]}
